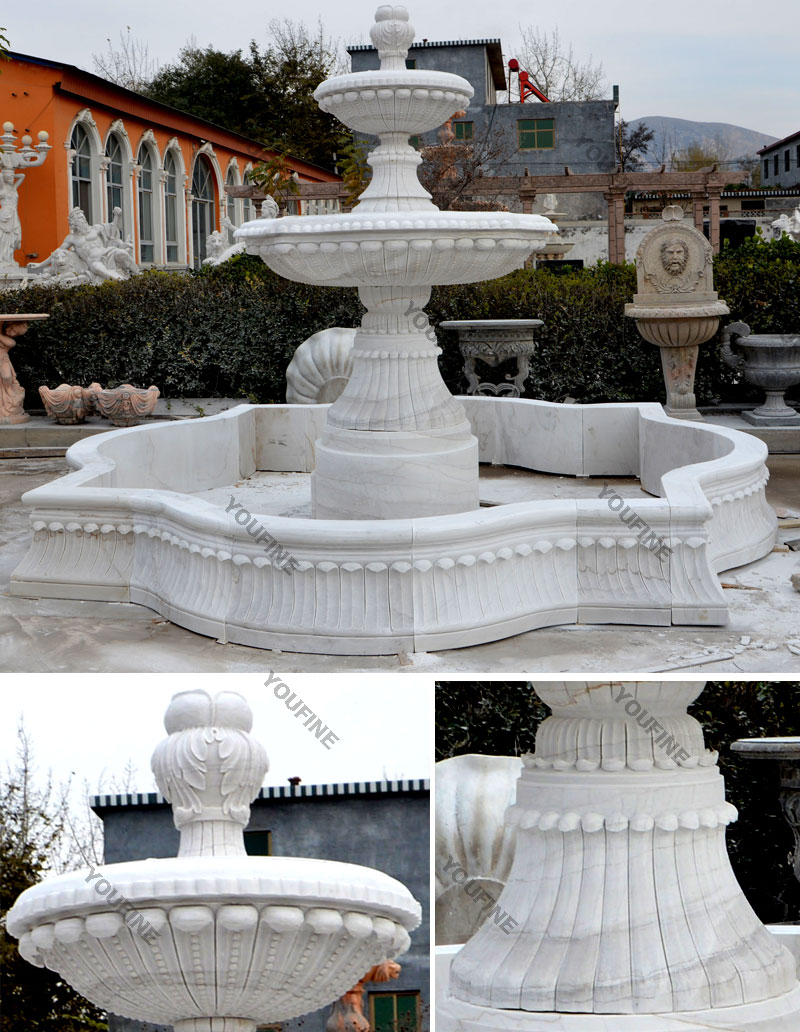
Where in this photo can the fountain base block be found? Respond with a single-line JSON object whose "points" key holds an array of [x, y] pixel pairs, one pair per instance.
{"points": [[394, 475]]}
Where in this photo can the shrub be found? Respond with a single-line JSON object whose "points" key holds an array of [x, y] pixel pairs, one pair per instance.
{"points": [[231, 330]]}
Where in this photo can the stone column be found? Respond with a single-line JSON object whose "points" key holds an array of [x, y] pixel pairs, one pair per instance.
{"points": [[698, 200], [713, 217], [621, 897], [616, 226]]}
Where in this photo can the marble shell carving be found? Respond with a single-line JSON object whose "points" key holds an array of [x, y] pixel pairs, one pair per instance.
{"points": [[321, 367], [472, 795], [126, 405], [67, 404]]}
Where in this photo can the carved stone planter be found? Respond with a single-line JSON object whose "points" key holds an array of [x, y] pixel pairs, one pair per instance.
{"points": [[494, 341], [787, 753], [126, 405], [676, 307], [67, 405], [769, 360]]}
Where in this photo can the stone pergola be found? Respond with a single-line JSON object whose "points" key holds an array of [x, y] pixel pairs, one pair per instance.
{"points": [[704, 185]]}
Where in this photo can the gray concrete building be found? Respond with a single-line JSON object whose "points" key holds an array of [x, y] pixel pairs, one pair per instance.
{"points": [[377, 824], [780, 162], [535, 138]]}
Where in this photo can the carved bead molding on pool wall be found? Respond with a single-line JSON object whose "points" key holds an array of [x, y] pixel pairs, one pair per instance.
{"points": [[124, 527]]}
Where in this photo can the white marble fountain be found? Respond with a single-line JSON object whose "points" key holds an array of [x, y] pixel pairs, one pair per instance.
{"points": [[395, 545], [213, 940]]}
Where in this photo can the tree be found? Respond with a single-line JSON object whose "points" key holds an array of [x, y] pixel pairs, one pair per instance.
{"points": [[294, 62], [632, 145], [210, 84], [128, 65], [450, 168], [266, 94], [699, 155], [3, 45], [556, 71], [34, 840]]}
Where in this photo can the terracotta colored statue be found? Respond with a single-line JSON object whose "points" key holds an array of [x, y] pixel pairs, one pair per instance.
{"points": [[347, 1014]]}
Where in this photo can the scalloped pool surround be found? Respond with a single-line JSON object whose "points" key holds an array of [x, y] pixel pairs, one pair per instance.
{"points": [[124, 527]]}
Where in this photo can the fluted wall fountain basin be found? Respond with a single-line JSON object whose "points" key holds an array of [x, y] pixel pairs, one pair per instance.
{"points": [[391, 542], [213, 938]]}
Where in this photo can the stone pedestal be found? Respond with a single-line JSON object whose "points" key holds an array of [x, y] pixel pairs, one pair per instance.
{"points": [[676, 307], [786, 751], [621, 899], [495, 341]]}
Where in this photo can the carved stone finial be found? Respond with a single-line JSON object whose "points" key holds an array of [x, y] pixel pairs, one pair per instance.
{"points": [[392, 35], [672, 213], [210, 769]]}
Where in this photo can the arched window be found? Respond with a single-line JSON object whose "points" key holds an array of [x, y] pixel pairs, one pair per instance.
{"points": [[114, 179], [202, 207], [146, 220], [81, 172], [171, 206], [230, 205]]}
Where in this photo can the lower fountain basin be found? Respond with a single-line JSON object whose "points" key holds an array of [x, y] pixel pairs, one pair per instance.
{"points": [[264, 938], [128, 525]]}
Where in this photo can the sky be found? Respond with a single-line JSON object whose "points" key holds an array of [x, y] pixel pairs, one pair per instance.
{"points": [[715, 60], [89, 726]]}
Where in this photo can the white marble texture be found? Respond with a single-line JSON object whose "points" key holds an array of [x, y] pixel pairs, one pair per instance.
{"points": [[123, 526], [621, 892]]}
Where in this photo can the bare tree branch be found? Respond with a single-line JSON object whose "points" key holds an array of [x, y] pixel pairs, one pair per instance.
{"points": [[128, 65], [556, 71]]}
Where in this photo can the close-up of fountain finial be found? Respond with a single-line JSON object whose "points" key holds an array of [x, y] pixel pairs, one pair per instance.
{"points": [[392, 35]]}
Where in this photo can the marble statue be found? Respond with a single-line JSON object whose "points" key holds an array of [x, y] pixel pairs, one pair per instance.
{"points": [[347, 1013], [218, 252], [90, 254], [12, 394], [676, 306], [12, 159], [789, 224], [10, 226]]}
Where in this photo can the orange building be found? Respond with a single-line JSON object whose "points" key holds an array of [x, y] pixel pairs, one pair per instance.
{"points": [[165, 169]]}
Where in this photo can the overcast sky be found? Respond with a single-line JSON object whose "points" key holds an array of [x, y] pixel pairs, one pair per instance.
{"points": [[713, 61], [89, 726]]}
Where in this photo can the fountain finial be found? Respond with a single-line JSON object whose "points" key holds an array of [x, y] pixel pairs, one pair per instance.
{"points": [[210, 769], [392, 35]]}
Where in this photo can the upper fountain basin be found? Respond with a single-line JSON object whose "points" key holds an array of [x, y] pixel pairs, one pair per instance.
{"points": [[412, 248], [394, 101], [265, 938]]}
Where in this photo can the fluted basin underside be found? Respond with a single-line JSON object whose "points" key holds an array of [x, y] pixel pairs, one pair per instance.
{"points": [[392, 248], [261, 938]]}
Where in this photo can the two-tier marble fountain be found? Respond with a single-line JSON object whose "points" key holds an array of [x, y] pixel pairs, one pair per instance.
{"points": [[213, 940], [395, 543]]}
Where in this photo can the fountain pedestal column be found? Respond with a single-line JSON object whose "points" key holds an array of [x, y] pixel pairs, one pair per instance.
{"points": [[396, 444]]}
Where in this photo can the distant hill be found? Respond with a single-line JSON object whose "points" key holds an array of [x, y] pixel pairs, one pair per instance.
{"points": [[675, 134]]}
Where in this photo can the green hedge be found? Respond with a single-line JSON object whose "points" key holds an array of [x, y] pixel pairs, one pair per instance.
{"points": [[232, 330]]}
